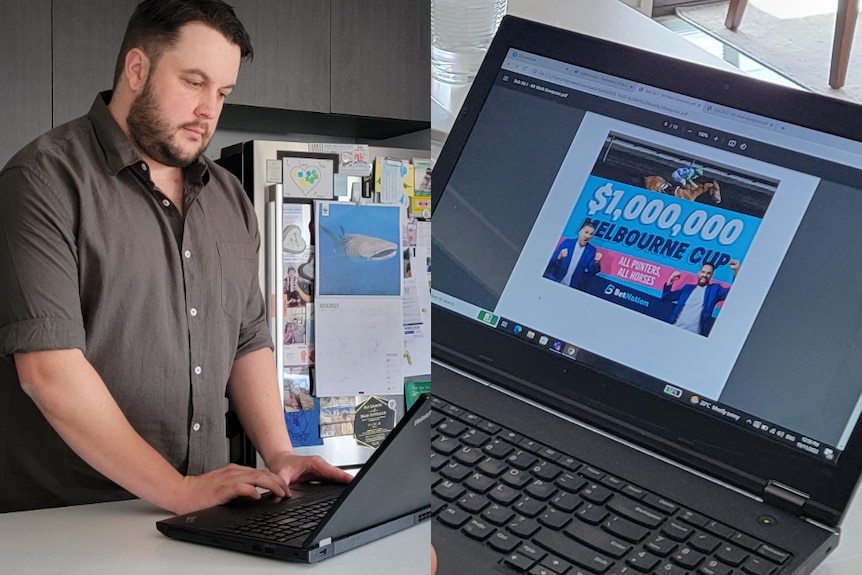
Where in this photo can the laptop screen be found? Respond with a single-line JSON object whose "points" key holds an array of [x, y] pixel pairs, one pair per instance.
{"points": [[688, 248]]}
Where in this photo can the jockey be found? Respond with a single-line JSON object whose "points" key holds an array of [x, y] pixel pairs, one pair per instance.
{"points": [[686, 175]]}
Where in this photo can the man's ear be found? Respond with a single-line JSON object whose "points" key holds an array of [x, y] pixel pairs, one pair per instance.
{"points": [[136, 69]]}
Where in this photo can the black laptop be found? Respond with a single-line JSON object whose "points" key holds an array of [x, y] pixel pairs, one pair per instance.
{"points": [[390, 493], [647, 332]]}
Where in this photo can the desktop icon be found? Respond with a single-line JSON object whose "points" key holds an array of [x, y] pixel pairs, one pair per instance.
{"points": [[531, 334], [543, 340]]}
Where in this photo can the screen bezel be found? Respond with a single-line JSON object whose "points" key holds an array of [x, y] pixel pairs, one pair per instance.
{"points": [[734, 454]]}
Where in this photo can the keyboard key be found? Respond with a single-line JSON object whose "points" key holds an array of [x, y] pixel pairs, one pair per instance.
{"points": [[633, 491], [677, 531], [597, 539], [745, 541], [694, 518], [470, 419], [572, 551], [451, 428], [595, 493], [668, 568], [478, 530], [554, 519], [532, 551], [472, 503], [731, 555], [474, 438], [570, 483], [453, 517], [755, 566], [504, 494], [642, 561], [719, 529], [592, 514], [451, 410], [687, 557], [516, 478], [521, 459], [772, 553], [437, 461], [455, 471], [660, 503], [498, 448], [661, 546], [510, 436], [492, 467], [568, 462], [503, 542], [445, 445], [713, 567], [523, 527], [633, 510], [478, 482], [448, 490], [488, 427], [468, 455], [519, 562], [612, 482], [704, 542], [541, 489], [529, 507], [546, 471], [557, 565], [625, 529], [566, 501], [591, 473], [436, 418], [497, 514]]}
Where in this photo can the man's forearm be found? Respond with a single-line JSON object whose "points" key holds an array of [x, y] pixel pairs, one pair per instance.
{"points": [[253, 389], [75, 401]]}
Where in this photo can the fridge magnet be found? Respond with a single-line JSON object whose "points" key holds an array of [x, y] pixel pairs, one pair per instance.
{"points": [[309, 176]]}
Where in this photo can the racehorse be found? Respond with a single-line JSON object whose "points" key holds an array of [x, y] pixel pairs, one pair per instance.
{"points": [[659, 184]]}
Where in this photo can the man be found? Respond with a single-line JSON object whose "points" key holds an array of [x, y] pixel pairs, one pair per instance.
{"points": [[130, 305], [294, 290], [575, 261], [686, 175], [695, 303]]}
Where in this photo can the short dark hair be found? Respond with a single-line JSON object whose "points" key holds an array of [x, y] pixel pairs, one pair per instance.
{"points": [[587, 222], [155, 27]]}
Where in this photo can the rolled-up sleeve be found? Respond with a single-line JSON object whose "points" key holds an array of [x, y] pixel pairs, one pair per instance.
{"points": [[40, 307]]}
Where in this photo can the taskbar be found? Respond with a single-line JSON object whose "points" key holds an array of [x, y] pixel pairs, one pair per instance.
{"points": [[568, 350]]}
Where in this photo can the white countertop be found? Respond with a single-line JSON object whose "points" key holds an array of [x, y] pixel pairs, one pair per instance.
{"points": [[121, 537]]}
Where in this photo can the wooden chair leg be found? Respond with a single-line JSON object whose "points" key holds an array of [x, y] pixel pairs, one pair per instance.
{"points": [[845, 25], [734, 13]]}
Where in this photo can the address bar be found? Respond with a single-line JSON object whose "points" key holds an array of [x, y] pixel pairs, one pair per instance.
{"points": [[622, 91]]}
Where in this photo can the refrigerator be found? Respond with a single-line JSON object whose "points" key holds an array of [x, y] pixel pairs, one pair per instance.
{"points": [[258, 164]]}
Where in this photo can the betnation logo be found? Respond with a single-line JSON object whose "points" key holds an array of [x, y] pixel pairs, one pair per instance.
{"points": [[612, 290]]}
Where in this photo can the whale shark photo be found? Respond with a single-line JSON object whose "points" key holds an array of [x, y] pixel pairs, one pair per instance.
{"points": [[357, 249]]}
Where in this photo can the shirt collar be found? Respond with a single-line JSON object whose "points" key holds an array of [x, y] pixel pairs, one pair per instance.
{"points": [[119, 151]]}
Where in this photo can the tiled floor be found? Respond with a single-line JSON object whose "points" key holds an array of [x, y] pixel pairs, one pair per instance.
{"points": [[715, 46]]}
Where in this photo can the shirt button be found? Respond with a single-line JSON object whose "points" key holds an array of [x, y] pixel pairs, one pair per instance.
{"points": [[166, 203], [187, 253], [196, 426], [144, 166], [193, 311], [198, 370]]}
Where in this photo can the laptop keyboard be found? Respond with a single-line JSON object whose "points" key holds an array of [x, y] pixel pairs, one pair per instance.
{"points": [[547, 513], [285, 524]]}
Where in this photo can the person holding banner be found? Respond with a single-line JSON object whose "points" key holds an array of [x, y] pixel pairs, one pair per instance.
{"points": [[695, 303], [575, 261]]}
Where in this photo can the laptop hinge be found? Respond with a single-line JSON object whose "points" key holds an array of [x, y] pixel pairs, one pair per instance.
{"points": [[785, 497]]}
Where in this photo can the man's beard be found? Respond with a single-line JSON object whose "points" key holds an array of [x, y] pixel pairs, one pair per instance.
{"points": [[152, 135]]}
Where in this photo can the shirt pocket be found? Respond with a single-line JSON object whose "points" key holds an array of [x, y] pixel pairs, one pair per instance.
{"points": [[238, 262]]}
